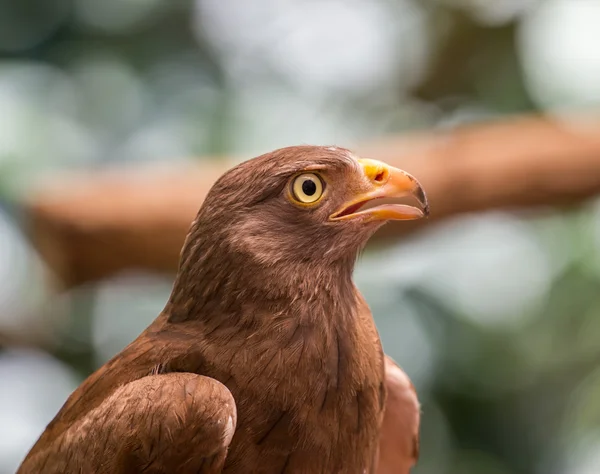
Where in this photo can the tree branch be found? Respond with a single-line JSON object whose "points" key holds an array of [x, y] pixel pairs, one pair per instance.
{"points": [[91, 226]]}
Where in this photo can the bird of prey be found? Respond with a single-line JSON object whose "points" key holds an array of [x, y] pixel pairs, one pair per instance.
{"points": [[265, 358]]}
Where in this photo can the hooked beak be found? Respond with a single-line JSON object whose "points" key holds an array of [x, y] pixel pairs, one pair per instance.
{"points": [[384, 182]]}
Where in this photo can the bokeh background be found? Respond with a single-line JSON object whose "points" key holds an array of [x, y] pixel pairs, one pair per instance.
{"points": [[495, 316]]}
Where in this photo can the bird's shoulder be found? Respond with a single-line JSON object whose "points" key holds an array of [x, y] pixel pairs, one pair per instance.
{"points": [[193, 415], [152, 353]]}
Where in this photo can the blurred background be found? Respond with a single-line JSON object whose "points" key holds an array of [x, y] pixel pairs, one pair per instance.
{"points": [[494, 315]]}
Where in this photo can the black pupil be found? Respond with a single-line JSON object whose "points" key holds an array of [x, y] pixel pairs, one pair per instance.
{"points": [[309, 187]]}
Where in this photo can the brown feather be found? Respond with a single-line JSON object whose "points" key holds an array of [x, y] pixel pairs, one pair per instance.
{"points": [[263, 312], [399, 438], [140, 426]]}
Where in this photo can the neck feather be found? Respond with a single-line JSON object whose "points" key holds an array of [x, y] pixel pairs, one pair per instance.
{"points": [[216, 281]]}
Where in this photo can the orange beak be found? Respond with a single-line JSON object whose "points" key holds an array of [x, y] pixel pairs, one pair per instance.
{"points": [[382, 181]]}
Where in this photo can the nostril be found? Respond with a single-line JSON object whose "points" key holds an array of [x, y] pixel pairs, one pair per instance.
{"points": [[380, 176]]}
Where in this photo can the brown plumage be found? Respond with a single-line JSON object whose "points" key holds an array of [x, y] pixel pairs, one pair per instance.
{"points": [[266, 358]]}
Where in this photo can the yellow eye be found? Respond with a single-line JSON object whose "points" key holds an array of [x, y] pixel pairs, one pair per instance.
{"points": [[307, 188]]}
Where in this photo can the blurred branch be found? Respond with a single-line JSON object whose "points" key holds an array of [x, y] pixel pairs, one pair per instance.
{"points": [[89, 227]]}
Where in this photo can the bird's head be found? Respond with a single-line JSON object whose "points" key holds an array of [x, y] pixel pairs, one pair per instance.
{"points": [[297, 209]]}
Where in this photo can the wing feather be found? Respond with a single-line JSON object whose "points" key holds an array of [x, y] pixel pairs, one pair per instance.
{"points": [[399, 438], [174, 422]]}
